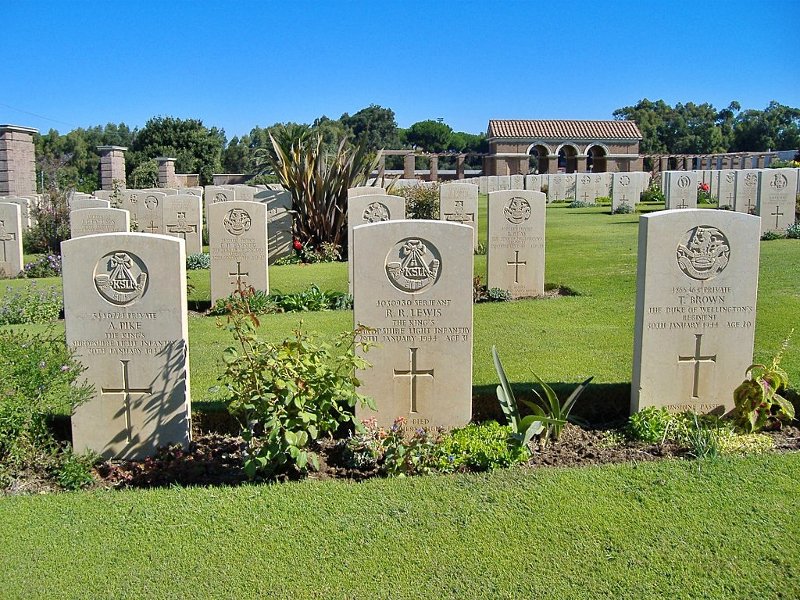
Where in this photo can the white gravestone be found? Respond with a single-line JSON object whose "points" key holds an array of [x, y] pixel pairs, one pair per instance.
{"points": [[533, 183], [125, 316], [370, 209], [492, 184], [697, 279], [81, 203], [183, 218], [585, 188], [483, 184], [726, 188], [279, 222], [776, 198], [458, 203], [517, 182], [10, 239], [556, 187], [238, 247], [91, 221], [504, 182], [152, 212], [413, 285], [680, 189], [515, 248], [624, 191], [365, 190], [24, 209], [746, 191]]}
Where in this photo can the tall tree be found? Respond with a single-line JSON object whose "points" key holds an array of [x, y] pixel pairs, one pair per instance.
{"points": [[775, 128], [431, 136], [196, 148], [373, 127]]}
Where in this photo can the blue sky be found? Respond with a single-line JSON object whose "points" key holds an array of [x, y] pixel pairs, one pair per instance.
{"points": [[241, 64]]}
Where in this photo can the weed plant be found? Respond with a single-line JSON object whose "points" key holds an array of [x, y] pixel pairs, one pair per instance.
{"points": [[30, 304], [198, 261]]}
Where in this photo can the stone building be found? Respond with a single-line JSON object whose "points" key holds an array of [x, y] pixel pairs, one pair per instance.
{"points": [[552, 146]]}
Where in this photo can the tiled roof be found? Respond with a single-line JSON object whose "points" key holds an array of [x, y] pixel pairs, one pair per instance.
{"points": [[564, 130]]}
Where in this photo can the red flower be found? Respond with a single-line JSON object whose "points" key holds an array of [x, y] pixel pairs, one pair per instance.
{"points": [[703, 187], [297, 245]]}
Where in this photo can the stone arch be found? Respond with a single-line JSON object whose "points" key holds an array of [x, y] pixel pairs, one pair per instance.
{"points": [[597, 158], [538, 161], [567, 157]]}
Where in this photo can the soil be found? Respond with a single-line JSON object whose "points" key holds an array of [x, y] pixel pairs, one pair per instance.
{"points": [[216, 459]]}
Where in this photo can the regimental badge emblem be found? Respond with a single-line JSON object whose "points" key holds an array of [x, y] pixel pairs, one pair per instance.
{"points": [[684, 181], [704, 254], [779, 181], [151, 202], [220, 197], [375, 213], [237, 221], [586, 179], [517, 211], [120, 278], [413, 265], [751, 179], [624, 180]]}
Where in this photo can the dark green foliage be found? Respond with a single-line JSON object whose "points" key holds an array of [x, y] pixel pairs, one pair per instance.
{"points": [[38, 379], [51, 224], [772, 235], [198, 261], [650, 424], [287, 395], [374, 127], [312, 299], [522, 428], [144, 175], [196, 148], [498, 295], [422, 200], [793, 231], [75, 471], [430, 136], [31, 304], [393, 451]]}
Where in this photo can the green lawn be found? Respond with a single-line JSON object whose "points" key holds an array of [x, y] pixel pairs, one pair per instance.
{"points": [[726, 529]]}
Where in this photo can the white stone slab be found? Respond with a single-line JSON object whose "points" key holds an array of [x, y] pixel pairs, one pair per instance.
{"points": [[680, 189], [81, 203], [10, 239], [624, 191], [91, 221], [366, 190], [515, 248], [776, 198], [458, 203], [279, 222], [183, 218], [697, 280], [746, 191], [413, 285], [125, 315], [238, 247]]}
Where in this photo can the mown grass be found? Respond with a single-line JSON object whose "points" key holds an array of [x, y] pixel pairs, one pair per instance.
{"points": [[674, 529]]}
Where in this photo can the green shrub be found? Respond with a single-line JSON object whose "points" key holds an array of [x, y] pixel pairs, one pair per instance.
{"points": [[38, 379], [623, 209], [758, 405], [477, 447], [772, 235], [259, 302], [653, 194], [74, 471], [649, 425], [198, 261], [393, 452], [498, 295], [44, 266], [793, 231], [287, 395], [30, 304], [702, 441], [604, 200], [422, 200], [580, 204]]}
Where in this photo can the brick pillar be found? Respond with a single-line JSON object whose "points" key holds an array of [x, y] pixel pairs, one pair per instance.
{"points": [[761, 161], [112, 166], [409, 164], [552, 163], [663, 163], [460, 166], [17, 161], [166, 172], [433, 161], [581, 168]]}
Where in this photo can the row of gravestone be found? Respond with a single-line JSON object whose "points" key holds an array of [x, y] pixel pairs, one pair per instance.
{"points": [[125, 310], [769, 193], [568, 186]]}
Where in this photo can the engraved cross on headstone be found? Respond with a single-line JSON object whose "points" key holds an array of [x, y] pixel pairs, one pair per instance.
{"points": [[682, 204], [750, 207], [126, 390], [516, 264], [5, 236], [586, 196], [697, 359], [239, 275], [777, 214], [460, 217], [152, 228], [412, 373]]}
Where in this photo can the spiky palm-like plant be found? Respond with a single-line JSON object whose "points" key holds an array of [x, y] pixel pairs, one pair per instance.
{"points": [[318, 182]]}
